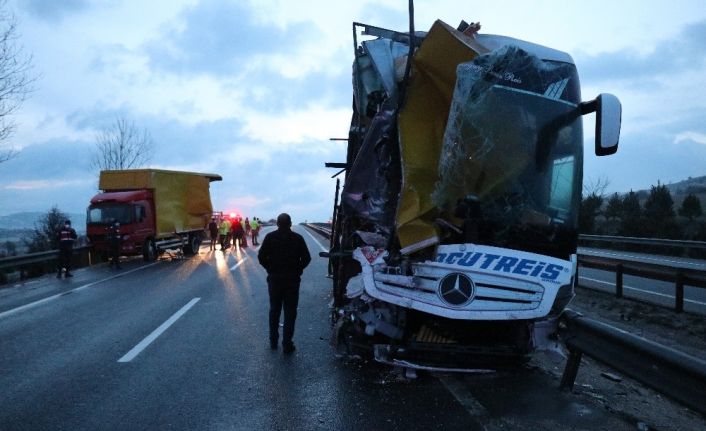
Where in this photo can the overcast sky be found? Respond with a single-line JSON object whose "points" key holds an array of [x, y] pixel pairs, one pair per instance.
{"points": [[252, 90]]}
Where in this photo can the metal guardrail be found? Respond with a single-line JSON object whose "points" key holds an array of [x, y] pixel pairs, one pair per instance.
{"points": [[319, 228], [81, 257], [679, 276], [644, 241], [669, 371]]}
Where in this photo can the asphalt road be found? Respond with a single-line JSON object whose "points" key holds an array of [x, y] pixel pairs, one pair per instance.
{"points": [[183, 345]]}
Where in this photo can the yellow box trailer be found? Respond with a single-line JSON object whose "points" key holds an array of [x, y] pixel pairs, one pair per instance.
{"points": [[155, 208]]}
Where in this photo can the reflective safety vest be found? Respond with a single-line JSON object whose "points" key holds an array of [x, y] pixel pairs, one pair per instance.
{"points": [[225, 227], [66, 237]]}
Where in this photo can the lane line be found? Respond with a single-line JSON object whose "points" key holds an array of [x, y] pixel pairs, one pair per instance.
{"points": [[93, 283], [129, 356], [232, 268], [626, 287], [315, 240], [464, 397]]}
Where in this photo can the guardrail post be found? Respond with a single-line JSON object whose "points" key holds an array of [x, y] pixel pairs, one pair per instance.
{"points": [[619, 281], [571, 369], [679, 294]]}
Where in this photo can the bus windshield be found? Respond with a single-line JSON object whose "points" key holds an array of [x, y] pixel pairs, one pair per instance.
{"points": [[516, 157]]}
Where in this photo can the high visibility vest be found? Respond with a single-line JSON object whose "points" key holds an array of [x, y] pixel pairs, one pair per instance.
{"points": [[225, 227]]}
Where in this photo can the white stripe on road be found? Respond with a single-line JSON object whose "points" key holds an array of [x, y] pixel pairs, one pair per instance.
{"points": [[232, 268], [129, 356], [93, 283], [316, 241], [663, 295], [463, 395]]}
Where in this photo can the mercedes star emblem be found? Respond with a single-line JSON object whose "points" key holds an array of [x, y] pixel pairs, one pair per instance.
{"points": [[456, 289]]}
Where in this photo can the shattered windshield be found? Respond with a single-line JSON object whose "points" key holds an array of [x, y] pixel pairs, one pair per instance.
{"points": [[107, 214], [513, 146]]}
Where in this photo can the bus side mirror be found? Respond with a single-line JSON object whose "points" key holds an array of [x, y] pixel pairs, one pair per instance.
{"points": [[608, 118]]}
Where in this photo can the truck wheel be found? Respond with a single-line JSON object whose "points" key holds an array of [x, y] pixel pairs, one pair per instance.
{"points": [[149, 251], [193, 244]]}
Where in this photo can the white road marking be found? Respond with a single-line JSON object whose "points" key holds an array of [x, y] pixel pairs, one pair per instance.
{"points": [[232, 268], [463, 396], [316, 241], [129, 356], [93, 283], [626, 287]]}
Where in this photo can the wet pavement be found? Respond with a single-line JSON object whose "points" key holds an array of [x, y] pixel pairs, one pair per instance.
{"points": [[212, 368]]}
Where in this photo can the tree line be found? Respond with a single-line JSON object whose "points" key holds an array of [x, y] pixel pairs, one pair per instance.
{"points": [[657, 217]]}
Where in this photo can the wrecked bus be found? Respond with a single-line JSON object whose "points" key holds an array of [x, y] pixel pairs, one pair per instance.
{"points": [[454, 241]]}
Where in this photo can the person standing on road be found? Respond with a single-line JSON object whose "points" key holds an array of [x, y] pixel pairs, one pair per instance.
{"points": [[284, 256], [114, 242], [65, 237], [224, 230], [254, 230], [213, 231], [247, 227], [243, 233], [236, 231]]}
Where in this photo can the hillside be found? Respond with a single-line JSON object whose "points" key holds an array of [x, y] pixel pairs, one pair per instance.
{"points": [[696, 186], [678, 190]]}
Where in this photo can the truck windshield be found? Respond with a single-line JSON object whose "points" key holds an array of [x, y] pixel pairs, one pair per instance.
{"points": [[109, 213], [515, 157]]}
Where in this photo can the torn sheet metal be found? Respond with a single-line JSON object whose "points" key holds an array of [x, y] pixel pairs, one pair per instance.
{"points": [[421, 126], [384, 354], [384, 54], [368, 89], [372, 185]]}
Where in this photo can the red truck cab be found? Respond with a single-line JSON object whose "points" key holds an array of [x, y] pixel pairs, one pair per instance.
{"points": [[134, 210]]}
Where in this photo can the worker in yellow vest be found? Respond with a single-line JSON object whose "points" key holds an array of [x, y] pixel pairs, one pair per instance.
{"points": [[254, 230], [224, 231]]}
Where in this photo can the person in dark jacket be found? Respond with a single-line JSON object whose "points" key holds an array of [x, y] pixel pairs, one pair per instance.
{"points": [[114, 243], [236, 230], [213, 231], [284, 256], [65, 237]]}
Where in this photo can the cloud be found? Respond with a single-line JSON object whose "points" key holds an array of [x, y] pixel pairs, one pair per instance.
{"points": [[56, 159], [219, 38], [53, 10], [44, 184], [45, 174], [290, 128], [246, 205], [699, 138], [685, 52], [644, 158]]}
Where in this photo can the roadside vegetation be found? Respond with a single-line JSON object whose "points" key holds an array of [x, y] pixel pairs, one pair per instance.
{"points": [[657, 213]]}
